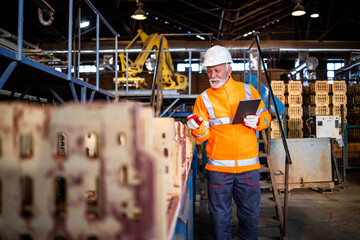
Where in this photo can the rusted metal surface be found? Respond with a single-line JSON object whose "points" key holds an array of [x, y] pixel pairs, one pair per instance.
{"points": [[173, 141], [81, 171], [311, 166]]}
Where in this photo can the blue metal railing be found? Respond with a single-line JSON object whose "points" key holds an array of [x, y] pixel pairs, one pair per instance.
{"points": [[20, 57]]}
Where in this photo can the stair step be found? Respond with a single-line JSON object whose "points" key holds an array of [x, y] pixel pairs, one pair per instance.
{"points": [[268, 222], [267, 202], [265, 185], [264, 169]]}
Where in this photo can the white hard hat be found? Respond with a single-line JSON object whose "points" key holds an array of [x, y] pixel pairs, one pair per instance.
{"points": [[217, 55]]}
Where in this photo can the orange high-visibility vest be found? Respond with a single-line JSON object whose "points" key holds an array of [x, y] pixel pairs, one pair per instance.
{"points": [[230, 148]]}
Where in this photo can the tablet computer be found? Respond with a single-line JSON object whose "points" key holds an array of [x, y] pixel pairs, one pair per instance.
{"points": [[246, 107]]}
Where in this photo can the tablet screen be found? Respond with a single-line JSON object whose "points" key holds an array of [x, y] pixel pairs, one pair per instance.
{"points": [[246, 107]]}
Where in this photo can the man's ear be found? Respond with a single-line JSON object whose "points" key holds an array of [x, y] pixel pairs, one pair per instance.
{"points": [[229, 70]]}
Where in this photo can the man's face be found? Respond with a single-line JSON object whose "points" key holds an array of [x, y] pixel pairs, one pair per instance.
{"points": [[218, 75]]}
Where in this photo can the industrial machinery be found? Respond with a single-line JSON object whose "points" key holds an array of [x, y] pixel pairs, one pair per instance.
{"points": [[329, 127], [171, 79]]}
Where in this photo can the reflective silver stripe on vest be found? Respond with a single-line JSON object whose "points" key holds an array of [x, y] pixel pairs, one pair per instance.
{"points": [[247, 90], [200, 136], [220, 121], [247, 162], [208, 104], [266, 121], [206, 123], [231, 163], [221, 163], [258, 112]]}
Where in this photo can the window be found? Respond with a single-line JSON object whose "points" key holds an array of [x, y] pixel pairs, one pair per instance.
{"points": [[181, 67], [331, 68]]}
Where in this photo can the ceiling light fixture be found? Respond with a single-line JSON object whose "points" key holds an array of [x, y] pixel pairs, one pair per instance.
{"points": [[315, 14], [298, 10], [139, 13], [84, 24]]}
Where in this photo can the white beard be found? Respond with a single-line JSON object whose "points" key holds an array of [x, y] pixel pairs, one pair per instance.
{"points": [[216, 82]]}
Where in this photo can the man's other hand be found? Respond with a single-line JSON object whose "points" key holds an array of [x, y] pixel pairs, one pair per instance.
{"points": [[252, 121], [194, 121]]}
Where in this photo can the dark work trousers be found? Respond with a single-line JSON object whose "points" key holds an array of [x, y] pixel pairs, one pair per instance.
{"points": [[245, 188]]}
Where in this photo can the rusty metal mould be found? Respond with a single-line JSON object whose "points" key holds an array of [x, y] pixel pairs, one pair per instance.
{"points": [[90, 171]]}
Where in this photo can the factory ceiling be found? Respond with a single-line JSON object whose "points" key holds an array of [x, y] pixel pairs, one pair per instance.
{"points": [[229, 20]]}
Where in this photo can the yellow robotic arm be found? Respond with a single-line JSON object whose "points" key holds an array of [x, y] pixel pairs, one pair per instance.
{"points": [[171, 80]]}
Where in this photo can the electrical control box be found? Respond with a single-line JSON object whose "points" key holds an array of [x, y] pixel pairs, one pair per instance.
{"points": [[327, 126]]}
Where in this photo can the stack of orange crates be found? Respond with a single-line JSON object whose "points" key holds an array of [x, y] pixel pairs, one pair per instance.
{"points": [[278, 87], [339, 98], [319, 98], [295, 109]]}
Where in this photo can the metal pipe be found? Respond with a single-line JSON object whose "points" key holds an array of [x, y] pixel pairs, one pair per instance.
{"points": [[97, 51], [83, 95], [190, 56], [291, 47], [249, 66], [346, 147], [57, 96], [73, 91], [79, 44], [20, 29], [244, 62], [6, 74], [116, 69], [70, 38], [92, 95], [286, 197], [185, 34], [171, 105], [102, 18], [259, 66], [342, 133], [127, 72]]}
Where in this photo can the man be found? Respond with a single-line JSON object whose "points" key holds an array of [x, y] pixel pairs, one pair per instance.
{"points": [[232, 149]]}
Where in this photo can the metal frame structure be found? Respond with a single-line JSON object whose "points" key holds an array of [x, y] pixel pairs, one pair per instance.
{"points": [[72, 87]]}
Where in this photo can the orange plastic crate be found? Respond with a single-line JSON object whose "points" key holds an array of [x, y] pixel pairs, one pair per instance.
{"points": [[278, 86], [275, 124], [294, 86], [319, 86], [355, 99], [322, 109], [339, 86], [295, 123], [336, 110], [319, 98], [295, 110], [356, 88], [275, 133], [295, 98], [295, 133], [339, 98]]}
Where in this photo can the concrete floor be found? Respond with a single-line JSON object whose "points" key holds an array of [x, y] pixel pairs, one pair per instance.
{"points": [[311, 215]]}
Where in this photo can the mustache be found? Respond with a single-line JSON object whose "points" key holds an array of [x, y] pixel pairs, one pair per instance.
{"points": [[215, 79]]}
